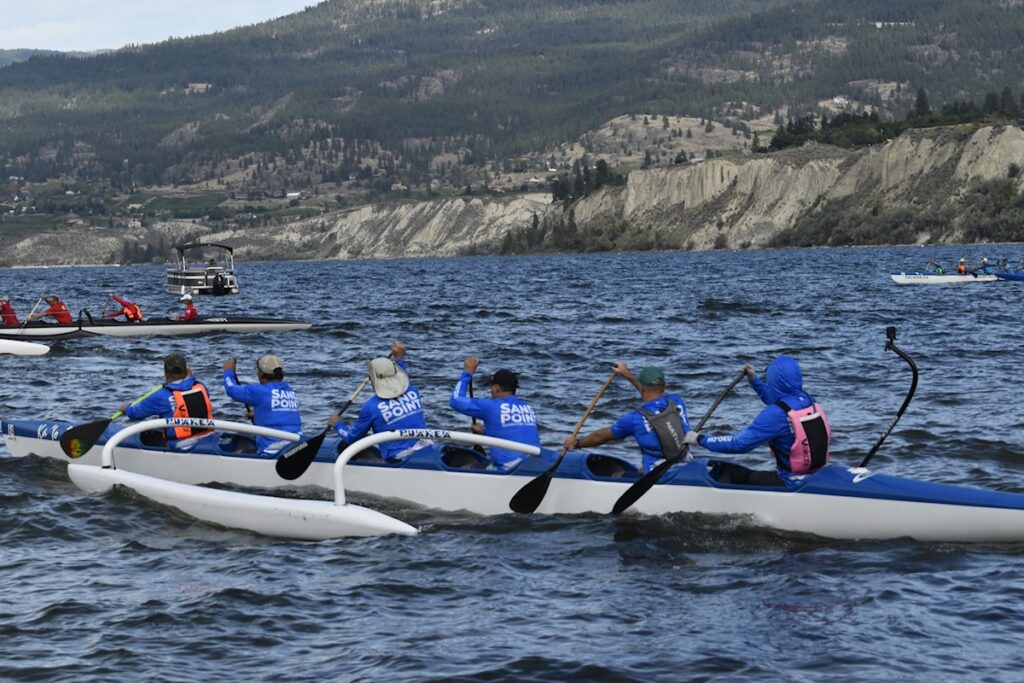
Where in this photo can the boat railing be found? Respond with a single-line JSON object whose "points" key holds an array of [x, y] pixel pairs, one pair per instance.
{"points": [[432, 434], [107, 457]]}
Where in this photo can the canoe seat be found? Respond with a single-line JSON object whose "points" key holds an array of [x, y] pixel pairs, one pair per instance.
{"points": [[612, 468], [237, 443], [461, 458]]}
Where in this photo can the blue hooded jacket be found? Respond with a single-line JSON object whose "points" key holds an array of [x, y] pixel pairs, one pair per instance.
{"points": [[771, 426]]}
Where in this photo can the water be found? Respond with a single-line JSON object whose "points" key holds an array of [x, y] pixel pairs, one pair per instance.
{"points": [[114, 588]]}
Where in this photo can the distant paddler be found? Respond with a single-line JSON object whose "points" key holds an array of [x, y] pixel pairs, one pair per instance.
{"points": [[131, 312], [58, 310], [7, 314], [936, 267], [961, 267], [190, 308]]}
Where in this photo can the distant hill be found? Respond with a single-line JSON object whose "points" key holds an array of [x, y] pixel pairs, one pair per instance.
{"points": [[13, 56], [408, 90]]}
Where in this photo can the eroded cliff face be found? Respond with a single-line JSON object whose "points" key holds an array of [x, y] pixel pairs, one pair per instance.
{"points": [[721, 203], [746, 202]]}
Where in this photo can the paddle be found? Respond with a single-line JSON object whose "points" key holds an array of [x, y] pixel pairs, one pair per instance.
{"points": [[477, 447], [76, 441], [644, 484], [30, 313], [890, 345], [294, 462], [529, 498]]}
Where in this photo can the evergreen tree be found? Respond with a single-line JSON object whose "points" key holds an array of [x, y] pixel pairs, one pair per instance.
{"points": [[921, 106]]}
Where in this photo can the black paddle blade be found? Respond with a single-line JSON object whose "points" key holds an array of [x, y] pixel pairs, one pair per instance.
{"points": [[528, 498], [76, 441], [293, 463], [642, 486]]}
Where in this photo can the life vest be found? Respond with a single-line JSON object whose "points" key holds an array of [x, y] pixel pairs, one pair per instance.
{"points": [[132, 312], [961, 269], [668, 427], [194, 402], [811, 437]]}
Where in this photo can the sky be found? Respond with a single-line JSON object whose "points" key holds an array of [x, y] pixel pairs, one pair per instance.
{"points": [[87, 25]]}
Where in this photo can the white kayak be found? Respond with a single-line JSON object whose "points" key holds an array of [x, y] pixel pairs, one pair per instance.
{"points": [[20, 348], [933, 279], [309, 520]]}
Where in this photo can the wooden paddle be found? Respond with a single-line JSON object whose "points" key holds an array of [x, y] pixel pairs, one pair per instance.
{"points": [[292, 463], [644, 484], [76, 441], [529, 498]]}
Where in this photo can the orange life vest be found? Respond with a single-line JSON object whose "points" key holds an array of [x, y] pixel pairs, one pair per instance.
{"points": [[961, 269], [132, 312], [194, 402]]}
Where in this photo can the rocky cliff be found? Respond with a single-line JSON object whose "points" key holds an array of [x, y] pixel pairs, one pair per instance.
{"points": [[927, 185]]}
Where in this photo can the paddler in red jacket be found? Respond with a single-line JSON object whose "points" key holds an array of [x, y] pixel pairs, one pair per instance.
{"points": [[57, 310], [190, 309], [130, 311], [7, 316]]}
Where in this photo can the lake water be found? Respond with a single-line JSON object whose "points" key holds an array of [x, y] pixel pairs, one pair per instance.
{"points": [[111, 587]]}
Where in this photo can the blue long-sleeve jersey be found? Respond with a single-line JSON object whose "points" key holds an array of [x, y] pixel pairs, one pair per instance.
{"points": [[636, 425], [381, 415], [509, 418], [771, 426], [274, 405]]}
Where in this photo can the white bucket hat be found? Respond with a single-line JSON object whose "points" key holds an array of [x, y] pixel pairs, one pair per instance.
{"points": [[186, 297], [387, 377]]}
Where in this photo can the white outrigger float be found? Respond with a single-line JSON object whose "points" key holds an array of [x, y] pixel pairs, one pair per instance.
{"points": [[22, 348], [313, 520]]}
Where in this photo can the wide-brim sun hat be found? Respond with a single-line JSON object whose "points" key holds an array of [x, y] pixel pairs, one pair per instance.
{"points": [[387, 377]]}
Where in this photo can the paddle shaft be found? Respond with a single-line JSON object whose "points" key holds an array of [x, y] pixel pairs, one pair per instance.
{"points": [[646, 482], [530, 496], [891, 346], [292, 464], [29, 317], [140, 399]]}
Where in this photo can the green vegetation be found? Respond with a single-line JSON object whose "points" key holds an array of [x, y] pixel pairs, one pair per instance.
{"points": [[405, 91]]}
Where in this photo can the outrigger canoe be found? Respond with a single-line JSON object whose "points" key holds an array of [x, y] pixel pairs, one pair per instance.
{"points": [[933, 279], [151, 327], [834, 502], [1010, 276]]}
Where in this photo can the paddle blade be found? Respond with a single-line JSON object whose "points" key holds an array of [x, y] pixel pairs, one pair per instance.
{"points": [[76, 441], [294, 462], [528, 498], [642, 486]]}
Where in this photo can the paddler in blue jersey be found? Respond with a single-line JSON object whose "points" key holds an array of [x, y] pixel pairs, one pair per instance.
{"points": [[181, 396], [273, 401], [658, 408], [396, 405], [789, 412], [504, 415]]}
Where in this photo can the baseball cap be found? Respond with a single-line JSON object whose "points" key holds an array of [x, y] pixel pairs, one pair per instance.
{"points": [[506, 379], [269, 364], [652, 377], [175, 364]]}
